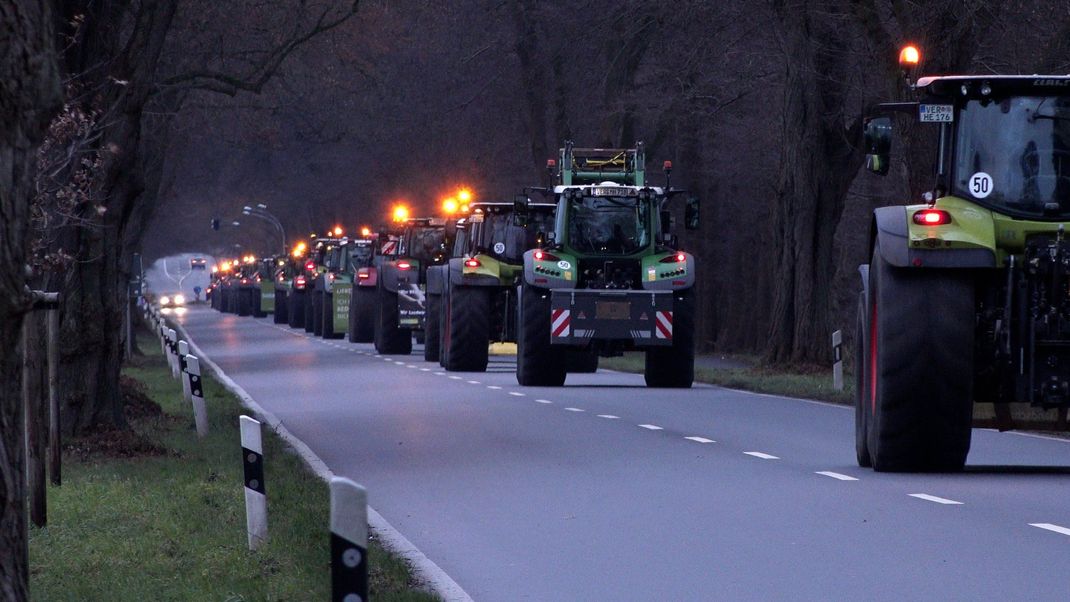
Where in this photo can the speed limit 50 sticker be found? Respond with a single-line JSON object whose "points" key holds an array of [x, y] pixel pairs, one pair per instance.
{"points": [[980, 185]]}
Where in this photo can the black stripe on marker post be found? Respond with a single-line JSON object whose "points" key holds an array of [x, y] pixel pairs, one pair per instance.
{"points": [[349, 541], [254, 469]]}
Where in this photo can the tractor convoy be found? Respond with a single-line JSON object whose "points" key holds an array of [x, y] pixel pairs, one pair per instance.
{"points": [[963, 313], [587, 267]]}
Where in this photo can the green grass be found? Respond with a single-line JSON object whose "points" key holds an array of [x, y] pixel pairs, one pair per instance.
{"points": [[811, 384], [171, 526]]}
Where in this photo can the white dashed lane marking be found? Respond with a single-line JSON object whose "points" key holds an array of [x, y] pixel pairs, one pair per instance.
{"points": [[516, 394], [762, 455], [700, 440], [454, 377], [650, 427], [474, 382], [575, 410], [492, 387], [608, 416], [1051, 527], [440, 374], [425, 369], [933, 498], [543, 401], [836, 475]]}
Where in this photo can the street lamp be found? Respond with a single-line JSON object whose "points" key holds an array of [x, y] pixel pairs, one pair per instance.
{"points": [[261, 212]]}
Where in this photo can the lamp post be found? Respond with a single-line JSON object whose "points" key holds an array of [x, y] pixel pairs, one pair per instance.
{"points": [[261, 212]]}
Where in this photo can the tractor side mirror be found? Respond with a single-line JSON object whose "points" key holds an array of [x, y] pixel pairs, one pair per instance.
{"points": [[521, 207], [878, 143], [691, 214]]}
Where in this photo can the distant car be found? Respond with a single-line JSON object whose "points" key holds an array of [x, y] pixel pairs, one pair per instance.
{"points": [[198, 263], [177, 300]]}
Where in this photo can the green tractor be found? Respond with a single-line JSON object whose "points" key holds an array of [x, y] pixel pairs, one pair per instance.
{"points": [[265, 279], [342, 263], [471, 301], [364, 293], [610, 277], [964, 312], [401, 282]]}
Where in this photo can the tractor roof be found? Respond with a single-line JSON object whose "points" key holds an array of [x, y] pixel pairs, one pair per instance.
{"points": [[1000, 85]]}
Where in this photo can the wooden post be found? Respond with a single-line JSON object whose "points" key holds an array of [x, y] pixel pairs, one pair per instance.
{"points": [[34, 423], [837, 359], [54, 443]]}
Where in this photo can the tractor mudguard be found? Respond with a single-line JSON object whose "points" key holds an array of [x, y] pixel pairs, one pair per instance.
{"points": [[436, 280], [371, 277], [459, 277], [899, 248], [388, 276]]}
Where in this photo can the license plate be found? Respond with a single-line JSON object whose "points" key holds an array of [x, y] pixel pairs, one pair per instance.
{"points": [[936, 113], [612, 310]]}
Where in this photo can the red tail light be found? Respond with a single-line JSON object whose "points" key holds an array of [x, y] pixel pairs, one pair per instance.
{"points": [[932, 217], [472, 263], [310, 266], [363, 275], [299, 282], [404, 265], [675, 258], [541, 255], [282, 278], [245, 281]]}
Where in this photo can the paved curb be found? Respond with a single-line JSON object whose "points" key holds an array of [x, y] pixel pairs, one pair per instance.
{"points": [[426, 570]]}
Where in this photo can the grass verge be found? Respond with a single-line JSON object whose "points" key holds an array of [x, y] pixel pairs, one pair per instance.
{"points": [[158, 514], [808, 384]]}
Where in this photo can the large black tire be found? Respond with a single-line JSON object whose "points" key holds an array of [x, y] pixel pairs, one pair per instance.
{"points": [[443, 317], [862, 391], [328, 317], [295, 305], [389, 338], [673, 366], [432, 339], [309, 308], [537, 364], [280, 314], [362, 315], [581, 361], [258, 309], [317, 312], [467, 329], [921, 405]]}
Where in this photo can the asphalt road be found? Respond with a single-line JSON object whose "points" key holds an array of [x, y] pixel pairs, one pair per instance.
{"points": [[607, 490]]}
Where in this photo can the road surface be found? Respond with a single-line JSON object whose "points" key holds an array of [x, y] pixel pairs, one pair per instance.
{"points": [[606, 490]]}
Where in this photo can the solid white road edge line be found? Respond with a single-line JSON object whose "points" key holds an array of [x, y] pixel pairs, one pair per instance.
{"points": [[762, 455], [1051, 527], [933, 498], [836, 475], [392, 539]]}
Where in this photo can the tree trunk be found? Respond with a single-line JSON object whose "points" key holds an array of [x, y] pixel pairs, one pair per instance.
{"points": [[818, 162], [533, 80], [29, 95]]}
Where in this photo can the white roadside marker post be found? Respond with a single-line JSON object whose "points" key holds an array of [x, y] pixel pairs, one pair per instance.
{"points": [[349, 541], [196, 390], [252, 452], [837, 360], [183, 351], [172, 337]]}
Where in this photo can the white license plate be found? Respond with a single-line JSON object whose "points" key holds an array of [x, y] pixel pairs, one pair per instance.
{"points": [[936, 113]]}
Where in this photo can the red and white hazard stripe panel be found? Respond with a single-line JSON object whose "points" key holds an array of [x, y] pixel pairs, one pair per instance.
{"points": [[389, 247], [559, 322], [663, 324]]}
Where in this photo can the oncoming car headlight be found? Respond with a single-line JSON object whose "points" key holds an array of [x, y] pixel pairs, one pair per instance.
{"points": [[179, 300], [165, 300]]}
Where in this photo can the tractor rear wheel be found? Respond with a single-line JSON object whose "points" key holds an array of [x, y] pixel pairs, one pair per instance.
{"points": [[862, 389], [389, 338], [468, 329], [921, 398], [362, 315], [295, 304], [281, 314], [309, 307], [537, 364], [673, 366], [245, 302], [317, 313], [431, 327], [328, 316]]}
